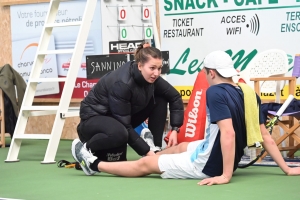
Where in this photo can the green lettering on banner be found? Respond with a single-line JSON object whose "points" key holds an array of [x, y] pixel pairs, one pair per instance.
{"points": [[193, 64], [197, 6], [183, 59], [273, 1], [170, 5], [201, 6], [209, 2], [242, 2], [190, 3], [178, 3], [251, 1], [240, 60], [239, 2]]}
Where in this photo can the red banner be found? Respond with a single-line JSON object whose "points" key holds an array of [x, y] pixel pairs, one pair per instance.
{"points": [[193, 127]]}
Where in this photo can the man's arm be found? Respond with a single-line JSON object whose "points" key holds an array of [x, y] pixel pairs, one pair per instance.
{"points": [[272, 149], [274, 152], [227, 146], [228, 152]]}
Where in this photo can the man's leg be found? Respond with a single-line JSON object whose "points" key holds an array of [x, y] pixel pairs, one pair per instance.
{"points": [[172, 166], [91, 164], [182, 147], [169, 166], [142, 167]]}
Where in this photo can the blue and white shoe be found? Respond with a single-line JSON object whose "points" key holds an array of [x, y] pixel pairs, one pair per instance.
{"points": [[83, 157]]}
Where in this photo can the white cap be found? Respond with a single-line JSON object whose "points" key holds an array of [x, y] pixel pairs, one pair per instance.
{"points": [[222, 62]]}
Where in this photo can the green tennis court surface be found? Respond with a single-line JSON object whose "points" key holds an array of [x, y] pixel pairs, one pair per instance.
{"points": [[30, 180]]}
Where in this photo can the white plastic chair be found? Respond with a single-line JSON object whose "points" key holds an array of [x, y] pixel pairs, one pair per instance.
{"points": [[270, 63]]}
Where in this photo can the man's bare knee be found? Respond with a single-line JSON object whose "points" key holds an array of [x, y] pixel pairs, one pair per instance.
{"points": [[142, 165], [148, 165]]}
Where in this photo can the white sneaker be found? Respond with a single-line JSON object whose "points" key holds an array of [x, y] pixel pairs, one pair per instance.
{"points": [[83, 157], [148, 138]]}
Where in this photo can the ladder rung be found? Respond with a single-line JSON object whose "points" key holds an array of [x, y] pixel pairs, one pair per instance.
{"points": [[39, 113], [77, 23], [72, 112], [32, 136], [42, 80], [69, 114], [60, 51], [39, 108]]}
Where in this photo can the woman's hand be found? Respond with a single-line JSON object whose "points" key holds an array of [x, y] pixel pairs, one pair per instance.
{"points": [[172, 139]]}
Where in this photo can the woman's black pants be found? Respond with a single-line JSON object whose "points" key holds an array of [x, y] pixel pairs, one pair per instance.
{"points": [[106, 135]]}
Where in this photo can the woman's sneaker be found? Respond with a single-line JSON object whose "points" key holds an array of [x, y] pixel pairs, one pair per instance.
{"points": [[83, 157], [148, 138]]}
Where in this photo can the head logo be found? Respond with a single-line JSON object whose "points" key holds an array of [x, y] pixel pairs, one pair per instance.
{"points": [[254, 25]]}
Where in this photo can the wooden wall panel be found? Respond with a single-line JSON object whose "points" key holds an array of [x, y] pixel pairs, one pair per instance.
{"points": [[43, 125], [5, 36], [16, 2], [157, 18]]}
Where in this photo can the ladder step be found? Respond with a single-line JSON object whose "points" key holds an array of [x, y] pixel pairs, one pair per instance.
{"points": [[69, 114], [29, 108], [43, 80], [77, 23], [39, 113], [60, 51], [32, 136]]}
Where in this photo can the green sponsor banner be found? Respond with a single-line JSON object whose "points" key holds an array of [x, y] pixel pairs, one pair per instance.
{"points": [[190, 29]]}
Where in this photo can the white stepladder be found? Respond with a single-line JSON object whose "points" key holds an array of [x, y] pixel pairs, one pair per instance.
{"points": [[62, 110]]}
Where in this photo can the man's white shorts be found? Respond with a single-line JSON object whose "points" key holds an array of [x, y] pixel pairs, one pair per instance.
{"points": [[180, 166]]}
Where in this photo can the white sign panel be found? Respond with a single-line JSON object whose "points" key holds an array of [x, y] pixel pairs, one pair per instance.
{"points": [[124, 23], [26, 25], [191, 29], [23, 59]]}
